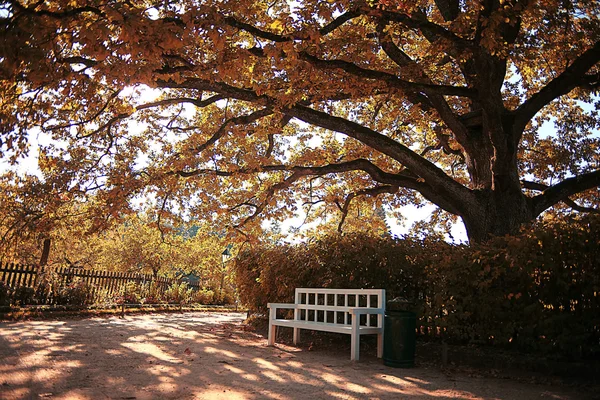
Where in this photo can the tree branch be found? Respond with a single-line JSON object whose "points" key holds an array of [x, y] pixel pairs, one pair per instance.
{"points": [[323, 31], [56, 15], [391, 79], [542, 187], [377, 174], [88, 62], [339, 21], [430, 30], [239, 120], [561, 191], [436, 100], [373, 192], [435, 177], [85, 121], [177, 100], [454, 192], [448, 8], [571, 78]]}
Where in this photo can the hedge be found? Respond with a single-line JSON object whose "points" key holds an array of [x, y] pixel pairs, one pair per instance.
{"points": [[538, 291]]}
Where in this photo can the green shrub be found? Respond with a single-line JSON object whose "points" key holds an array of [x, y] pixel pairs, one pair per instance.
{"points": [[270, 273], [227, 298]]}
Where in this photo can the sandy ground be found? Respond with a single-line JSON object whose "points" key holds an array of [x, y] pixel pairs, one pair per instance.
{"points": [[211, 356]]}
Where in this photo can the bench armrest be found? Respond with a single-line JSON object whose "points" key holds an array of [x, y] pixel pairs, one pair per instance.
{"points": [[366, 310], [282, 305]]}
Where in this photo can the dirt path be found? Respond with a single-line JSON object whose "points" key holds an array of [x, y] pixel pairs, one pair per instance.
{"points": [[210, 356]]}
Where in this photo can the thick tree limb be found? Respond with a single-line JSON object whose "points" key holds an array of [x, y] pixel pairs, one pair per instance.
{"points": [[391, 79], [435, 177], [561, 191], [454, 192], [542, 187], [178, 100], [448, 8]]}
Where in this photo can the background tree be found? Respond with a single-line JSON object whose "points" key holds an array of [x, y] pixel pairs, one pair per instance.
{"points": [[31, 212], [257, 103]]}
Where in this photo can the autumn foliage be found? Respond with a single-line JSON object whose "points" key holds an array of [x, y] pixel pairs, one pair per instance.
{"points": [[538, 291], [236, 111]]}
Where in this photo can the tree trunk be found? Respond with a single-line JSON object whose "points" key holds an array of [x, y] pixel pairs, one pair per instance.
{"points": [[45, 252], [497, 213]]}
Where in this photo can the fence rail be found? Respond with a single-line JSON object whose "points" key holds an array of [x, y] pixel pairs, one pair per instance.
{"points": [[18, 275]]}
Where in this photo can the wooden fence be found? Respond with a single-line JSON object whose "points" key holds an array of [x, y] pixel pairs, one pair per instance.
{"points": [[112, 283]]}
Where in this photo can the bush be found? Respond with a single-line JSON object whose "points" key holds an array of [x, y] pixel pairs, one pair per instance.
{"points": [[131, 294], [178, 293], [204, 296], [103, 297], [23, 295], [227, 298], [151, 293], [76, 293], [4, 294], [537, 291], [270, 273], [47, 288]]}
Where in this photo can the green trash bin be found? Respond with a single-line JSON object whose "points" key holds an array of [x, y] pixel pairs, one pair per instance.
{"points": [[399, 338]]}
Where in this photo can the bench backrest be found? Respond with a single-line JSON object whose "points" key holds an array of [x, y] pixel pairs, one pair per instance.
{"points": [[332, 305]]}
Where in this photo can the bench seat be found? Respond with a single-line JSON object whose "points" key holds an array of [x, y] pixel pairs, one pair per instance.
{"points": [[333, 310], [322, 326]]}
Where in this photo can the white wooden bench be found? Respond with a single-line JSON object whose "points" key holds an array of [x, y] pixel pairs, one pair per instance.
{"points": [[352, 311]]}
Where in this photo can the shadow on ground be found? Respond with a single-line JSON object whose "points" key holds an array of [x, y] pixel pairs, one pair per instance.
{"points": [[210, 355]]}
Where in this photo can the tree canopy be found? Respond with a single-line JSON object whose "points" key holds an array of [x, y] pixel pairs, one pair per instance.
{"points": [[232, 110]]}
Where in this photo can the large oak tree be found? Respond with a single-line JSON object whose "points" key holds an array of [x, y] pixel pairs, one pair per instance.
{"points": [[333, 102]]}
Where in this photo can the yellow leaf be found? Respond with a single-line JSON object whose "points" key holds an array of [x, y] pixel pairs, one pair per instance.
{"points": [[276, 26]]}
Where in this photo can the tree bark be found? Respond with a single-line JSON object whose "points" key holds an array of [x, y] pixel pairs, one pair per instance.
{"points": [[45, 252], [496, 213]]}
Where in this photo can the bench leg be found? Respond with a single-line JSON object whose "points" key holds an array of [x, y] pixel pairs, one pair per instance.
{"points": [[296, 336], [355, 339], [272, 328], [272, 335], [380, 345]]}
